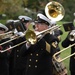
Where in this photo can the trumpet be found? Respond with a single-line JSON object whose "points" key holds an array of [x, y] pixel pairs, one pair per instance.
{"points": [[72, 35], [57, 53]]}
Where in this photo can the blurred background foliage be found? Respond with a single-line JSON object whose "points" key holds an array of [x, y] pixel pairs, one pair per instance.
{"points": [[11, 9]]}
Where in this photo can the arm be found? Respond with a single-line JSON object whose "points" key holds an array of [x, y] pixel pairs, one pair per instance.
{"points": [[66, 42]]}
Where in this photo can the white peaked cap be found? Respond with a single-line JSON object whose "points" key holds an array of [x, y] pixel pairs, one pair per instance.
{"points": [[41, 16], [25, 17], [53, 22], [3, 26], [9, 21]]}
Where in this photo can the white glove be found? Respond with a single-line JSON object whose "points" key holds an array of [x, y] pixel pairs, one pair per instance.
{"points": [[72, 35], [15, 31], [20, 34], [28, 44]]}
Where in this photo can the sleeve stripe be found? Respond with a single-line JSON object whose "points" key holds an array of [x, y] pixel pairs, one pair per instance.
{"points": [[48, 47]]}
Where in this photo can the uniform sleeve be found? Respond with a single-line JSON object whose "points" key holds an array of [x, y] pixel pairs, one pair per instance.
{"points": [[60, 32], [48, 41], [54, 44], [66, 42]]}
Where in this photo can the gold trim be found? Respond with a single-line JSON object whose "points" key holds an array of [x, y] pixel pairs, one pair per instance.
{"points": [[54, 45], [59, 38], [48, 47]]}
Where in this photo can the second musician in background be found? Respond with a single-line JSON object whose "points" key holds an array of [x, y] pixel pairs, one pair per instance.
{"points": [[65, 43], [4, 57], [17, 65]]}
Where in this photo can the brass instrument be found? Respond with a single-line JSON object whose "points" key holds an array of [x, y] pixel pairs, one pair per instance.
{"points": [[11, 34], [12, 47], [59, 68], [54, 11], [30, 36], [13, 38], [5, 35], [60, 60], [72, 35]]}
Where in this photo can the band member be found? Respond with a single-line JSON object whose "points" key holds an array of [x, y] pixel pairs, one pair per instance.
{"points": [[25, 20], [10, 24], [39, 55], [69, 41], [4, 57], [58, 68], [18, 62]]}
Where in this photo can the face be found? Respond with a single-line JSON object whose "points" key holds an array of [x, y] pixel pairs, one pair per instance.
{"points": [[22, 20], [1, 31], [40, 26]]}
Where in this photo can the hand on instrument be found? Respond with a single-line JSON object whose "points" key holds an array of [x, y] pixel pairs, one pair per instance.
{"points": [[15, 30], [71, 35], [20, 34], [28, 44]]}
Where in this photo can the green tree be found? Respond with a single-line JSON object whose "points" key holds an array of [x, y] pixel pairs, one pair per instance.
{"points": [[69, 9], [14, 8], [11, 7]]}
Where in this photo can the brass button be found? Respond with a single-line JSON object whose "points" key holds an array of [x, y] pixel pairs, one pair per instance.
{"points": [[31, 54], [35, 66], [74, 57], [36, 60], [17, 50], [41, 49], [17, 55], [29, 65], [29, 59], [37, 54]]}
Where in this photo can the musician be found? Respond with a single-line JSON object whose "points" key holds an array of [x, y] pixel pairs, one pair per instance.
{"points": [[57, 67], [39, 55], [25, 20], [4, 57], [66, 42], [18, 61], [10, 25]]}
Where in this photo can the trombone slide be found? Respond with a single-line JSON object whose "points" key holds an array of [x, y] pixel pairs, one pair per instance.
{"points": [[12, 47], [50, 29], [28, 33], [60, 60], [32, 36]]}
